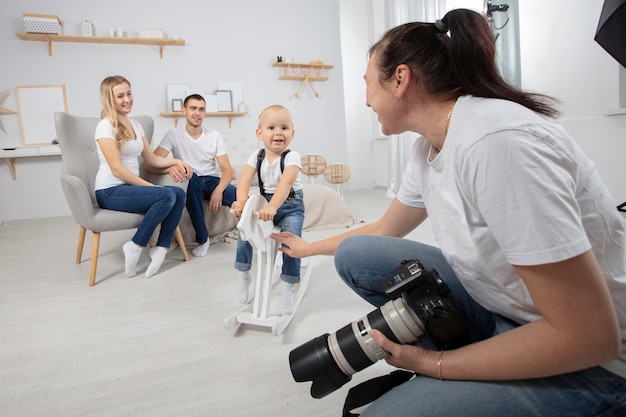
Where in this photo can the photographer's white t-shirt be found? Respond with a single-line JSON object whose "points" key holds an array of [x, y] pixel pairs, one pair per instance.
{"points": [[512, 188]]}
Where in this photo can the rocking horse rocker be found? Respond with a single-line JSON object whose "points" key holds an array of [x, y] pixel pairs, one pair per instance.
{"points": [[269, 262]]}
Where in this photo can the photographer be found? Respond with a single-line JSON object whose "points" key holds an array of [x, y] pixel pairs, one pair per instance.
{"points": [[530, 243]]}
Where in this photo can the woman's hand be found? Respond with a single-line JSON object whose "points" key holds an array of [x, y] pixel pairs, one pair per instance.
{"points": [[177, 173], [404, 356], [294, 246], [181, 171]]}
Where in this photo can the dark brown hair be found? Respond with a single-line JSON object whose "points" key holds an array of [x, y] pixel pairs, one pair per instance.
{"points": [[194, 97], [457, 61]]}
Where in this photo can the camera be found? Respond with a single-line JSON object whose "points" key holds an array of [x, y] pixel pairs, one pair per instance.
{"points": [[418, 305]]}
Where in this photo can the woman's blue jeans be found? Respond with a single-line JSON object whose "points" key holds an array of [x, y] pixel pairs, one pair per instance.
{"points": [[200, 188], [290, 218], [160, 205], [364, 261]]}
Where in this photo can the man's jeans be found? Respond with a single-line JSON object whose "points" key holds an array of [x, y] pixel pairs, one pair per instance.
{"points": [[199, 189]]}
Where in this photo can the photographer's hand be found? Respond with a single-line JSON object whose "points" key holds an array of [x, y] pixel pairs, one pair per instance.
{"points": [[295, 246], [410, 357]]}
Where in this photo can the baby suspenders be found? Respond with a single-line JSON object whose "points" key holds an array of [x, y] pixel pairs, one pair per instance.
{"points": [[259, 160]]}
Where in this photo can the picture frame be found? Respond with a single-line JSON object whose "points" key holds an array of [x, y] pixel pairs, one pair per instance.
{"points": [[236, 91], [177, 105], [37, 105], [175, 91], [224, 100], [211, 103]]}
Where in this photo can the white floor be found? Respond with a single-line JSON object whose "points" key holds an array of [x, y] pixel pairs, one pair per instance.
{"points": [[158, 346]]}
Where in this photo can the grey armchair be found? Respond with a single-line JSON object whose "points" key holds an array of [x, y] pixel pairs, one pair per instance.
{"points": [[79, 167]]}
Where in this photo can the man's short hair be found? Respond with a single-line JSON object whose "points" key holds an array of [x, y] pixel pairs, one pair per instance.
{"points": [[194, 97]]}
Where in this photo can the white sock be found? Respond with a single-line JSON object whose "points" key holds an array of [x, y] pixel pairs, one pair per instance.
{"points": [[201, 250], [244, 284], [132, 252], [157, 254], [286, 299]]}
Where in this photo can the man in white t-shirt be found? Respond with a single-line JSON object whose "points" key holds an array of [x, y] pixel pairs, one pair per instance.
{"points": [[204, 150]]}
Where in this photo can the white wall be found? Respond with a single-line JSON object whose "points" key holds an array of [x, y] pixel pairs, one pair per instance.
{"points": [[238, 40], [226, 41], [358, 33], [559, 57]]}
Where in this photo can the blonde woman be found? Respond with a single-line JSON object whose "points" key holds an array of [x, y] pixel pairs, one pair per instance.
{"points": [[120, 141]]}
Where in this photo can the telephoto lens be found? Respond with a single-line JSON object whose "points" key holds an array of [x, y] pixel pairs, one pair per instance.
{"points": [[330, 360]]}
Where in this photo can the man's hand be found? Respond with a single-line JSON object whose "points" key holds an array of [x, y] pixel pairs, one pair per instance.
{"points": [[215, 202]]}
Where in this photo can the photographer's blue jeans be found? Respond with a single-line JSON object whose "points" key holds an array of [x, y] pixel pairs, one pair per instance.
{"points": [[290, 218], [200, 188], [364, 261], [160, 205]]}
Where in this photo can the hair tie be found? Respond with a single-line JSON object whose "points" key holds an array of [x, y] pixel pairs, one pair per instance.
{"points": [[441, 27]]}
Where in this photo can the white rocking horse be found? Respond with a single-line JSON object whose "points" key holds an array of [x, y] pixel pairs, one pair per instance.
{"points": [[269, 264]]}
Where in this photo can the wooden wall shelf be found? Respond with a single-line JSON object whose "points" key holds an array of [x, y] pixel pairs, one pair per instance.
{"points": [[305, 73], [229, 114], [50, 38], [315, 65]]}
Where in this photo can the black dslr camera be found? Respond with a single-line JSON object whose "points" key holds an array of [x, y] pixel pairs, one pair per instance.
{"points": [[418, 304]]}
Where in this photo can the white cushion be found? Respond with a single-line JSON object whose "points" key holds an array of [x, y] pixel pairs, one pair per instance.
{"points": [[324, 208]]}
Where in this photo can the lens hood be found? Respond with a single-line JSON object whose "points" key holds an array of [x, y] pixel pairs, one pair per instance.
{"points": [[313, 362]]}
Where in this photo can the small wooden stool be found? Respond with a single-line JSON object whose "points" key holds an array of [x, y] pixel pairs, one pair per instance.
{"points": [[312, 166], [337, 174]]}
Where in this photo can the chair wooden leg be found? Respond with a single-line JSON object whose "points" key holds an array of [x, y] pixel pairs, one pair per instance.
{"points": [[95, 247], [81, 242], [178, 236]]}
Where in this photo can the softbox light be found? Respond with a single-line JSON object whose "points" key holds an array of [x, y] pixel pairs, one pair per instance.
{"points": [[611, 31]]}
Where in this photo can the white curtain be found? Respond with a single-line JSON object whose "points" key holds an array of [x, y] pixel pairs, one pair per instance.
{"points": [[505, 25], [398, 12]]}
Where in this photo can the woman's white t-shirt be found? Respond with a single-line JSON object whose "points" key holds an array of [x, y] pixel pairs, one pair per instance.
{"points": [[129, 154], [510, 188]]}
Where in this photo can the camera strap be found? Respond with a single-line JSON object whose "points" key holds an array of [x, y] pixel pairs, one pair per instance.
{"points": [[366, 392]]}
